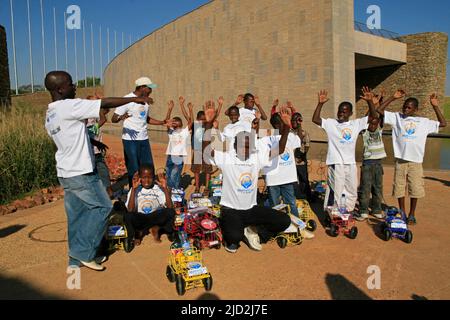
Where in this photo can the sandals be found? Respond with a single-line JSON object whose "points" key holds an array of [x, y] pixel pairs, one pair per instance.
{"points": [[412, 220]]}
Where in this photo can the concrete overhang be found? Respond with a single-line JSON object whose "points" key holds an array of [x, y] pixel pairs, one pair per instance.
{"points": [[374, 51]]}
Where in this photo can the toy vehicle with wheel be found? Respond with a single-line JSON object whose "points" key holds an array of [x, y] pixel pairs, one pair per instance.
{"points": [[178, 198], [293, 234], [319, 188], [199, 200], [341, 222], [119, 235], [395, 225], [187, 270], [306, 214], [202, 226]]}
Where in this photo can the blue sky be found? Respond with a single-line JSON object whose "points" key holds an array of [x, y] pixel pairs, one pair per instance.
{"points": [[137, 18]]}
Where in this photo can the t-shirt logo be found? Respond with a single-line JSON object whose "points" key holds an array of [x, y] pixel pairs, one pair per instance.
{"points": [[346, 134], [410, 128], [142, 113], [285, 156], [246, 180]]}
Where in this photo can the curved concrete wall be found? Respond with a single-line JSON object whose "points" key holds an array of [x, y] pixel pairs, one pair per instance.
{"points": [[4, 70]]}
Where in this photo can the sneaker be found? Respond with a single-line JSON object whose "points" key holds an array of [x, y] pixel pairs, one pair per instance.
{"points": [[307, 234], [232, 248], [361, 217], [93, 265], [101, 259], [252, 239], [378, 215], [411, 220]]}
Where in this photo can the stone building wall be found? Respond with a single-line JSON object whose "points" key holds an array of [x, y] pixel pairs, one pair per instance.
{"points": [[424, 73], [5, 98]]}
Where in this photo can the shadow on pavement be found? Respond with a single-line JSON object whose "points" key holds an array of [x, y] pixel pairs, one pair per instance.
{"points": [[342, 289], [444, 182], [10, 230], [15, 289], [208, 296]]}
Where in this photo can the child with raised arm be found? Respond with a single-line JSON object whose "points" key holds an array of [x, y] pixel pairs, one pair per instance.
{"points": [[409, 136], [177, 147], [342, 135], [248, 112]]}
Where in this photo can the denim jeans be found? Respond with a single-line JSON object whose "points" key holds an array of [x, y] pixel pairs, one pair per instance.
{"points": [[371, 183], [87, 208], [174, 167], [287, 194], [102, 170], [137, 153], [304, 189]]}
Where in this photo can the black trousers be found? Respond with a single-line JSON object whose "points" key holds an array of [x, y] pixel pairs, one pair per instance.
{"points": [[304, 189], [164, 218], [267, 221]]}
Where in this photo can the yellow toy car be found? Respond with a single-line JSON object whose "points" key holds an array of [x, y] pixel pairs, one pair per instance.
{"points": [[119, 235], [186, 269], [292, 236], [306, 214]]}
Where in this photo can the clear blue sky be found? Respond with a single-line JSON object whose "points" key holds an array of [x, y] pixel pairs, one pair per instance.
{"points": [[138, 18]]}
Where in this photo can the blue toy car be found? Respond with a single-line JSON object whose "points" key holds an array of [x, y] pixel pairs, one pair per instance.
{"points": [[395, 225]]}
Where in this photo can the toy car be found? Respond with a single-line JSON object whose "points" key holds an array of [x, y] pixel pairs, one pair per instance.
{"points": [[186, 269], [306, 214], [119, 235], [341, 222], [178, 199], [293, 234], [319, 188], [202, 226], [199, 200], [395, 226]]}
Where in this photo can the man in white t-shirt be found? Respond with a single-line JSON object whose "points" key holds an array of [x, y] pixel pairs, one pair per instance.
{"points": [[136, 145], [281, 175], [240, 215], [86, 201], [409, 136], [342, 135]]}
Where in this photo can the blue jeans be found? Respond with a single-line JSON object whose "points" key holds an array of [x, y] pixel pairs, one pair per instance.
{"points": [[288, 195], [174, 167], [137, 153], [102, 170], [87, 208]]}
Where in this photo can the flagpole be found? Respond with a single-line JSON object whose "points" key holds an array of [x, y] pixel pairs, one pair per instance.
{"points": [[92, 50], [14, 47], [43, 41], [115, 43], [65, 41], [107, 42], [76, 55], [54, 32], [84, 55], [101, 55], [30, 45], [123, 41]]}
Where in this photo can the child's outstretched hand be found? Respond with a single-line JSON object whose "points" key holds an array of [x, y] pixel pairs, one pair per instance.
{"points": [[257, 101], [190, 106], [399, 94], [162, 181], [367, 94], [239, 100], [181, 100], [434, 100], [136, 182], [170, 105], [285, 116], [220, 101], [323, 96], [210, 111]]}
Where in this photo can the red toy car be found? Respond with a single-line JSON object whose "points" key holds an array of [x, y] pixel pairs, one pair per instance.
{"points": [[202, 226], [341, 223]]}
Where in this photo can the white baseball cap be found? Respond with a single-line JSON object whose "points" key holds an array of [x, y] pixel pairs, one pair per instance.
{"points": [[144, 81]]}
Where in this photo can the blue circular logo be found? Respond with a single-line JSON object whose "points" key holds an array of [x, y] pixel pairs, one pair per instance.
{"points": [[285, 156], [246, 180], [347, 134]]}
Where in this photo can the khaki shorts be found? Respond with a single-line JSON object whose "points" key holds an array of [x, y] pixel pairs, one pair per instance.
{"points": [[408, 174]]}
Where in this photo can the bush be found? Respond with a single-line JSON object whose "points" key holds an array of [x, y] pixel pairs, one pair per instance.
{"points": [[27, 153]]}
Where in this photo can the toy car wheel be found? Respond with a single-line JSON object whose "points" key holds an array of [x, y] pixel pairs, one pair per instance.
{"points": [[282, 242], [334, 231], [218, 246], [180, 284], [353, 233], [170, 275], [408, 236], [311, 225], [327, 221], [207, 283], [128, 244], [387, 234]]}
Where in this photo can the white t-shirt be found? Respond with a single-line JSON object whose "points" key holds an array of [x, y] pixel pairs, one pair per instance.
{"points": [[178, 141], [342, 139], [231, 129], [247, 115], [409, 135], [134, 127], [240, 178], [282, 169], [148, 200], [66, 125]]}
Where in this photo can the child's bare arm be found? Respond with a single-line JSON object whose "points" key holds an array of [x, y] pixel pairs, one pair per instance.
{"points": [[261, 110], [136, 182], [162, 183], [368, 95], [181, 100], [434, 100], [170, 106], [323, 98], [397, 95]]}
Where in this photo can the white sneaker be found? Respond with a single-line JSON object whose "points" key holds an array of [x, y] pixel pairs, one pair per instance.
{"points": [[307, 234], [379, 215], [252, 239], [362, 217], [101, 259], [93, 265]]}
